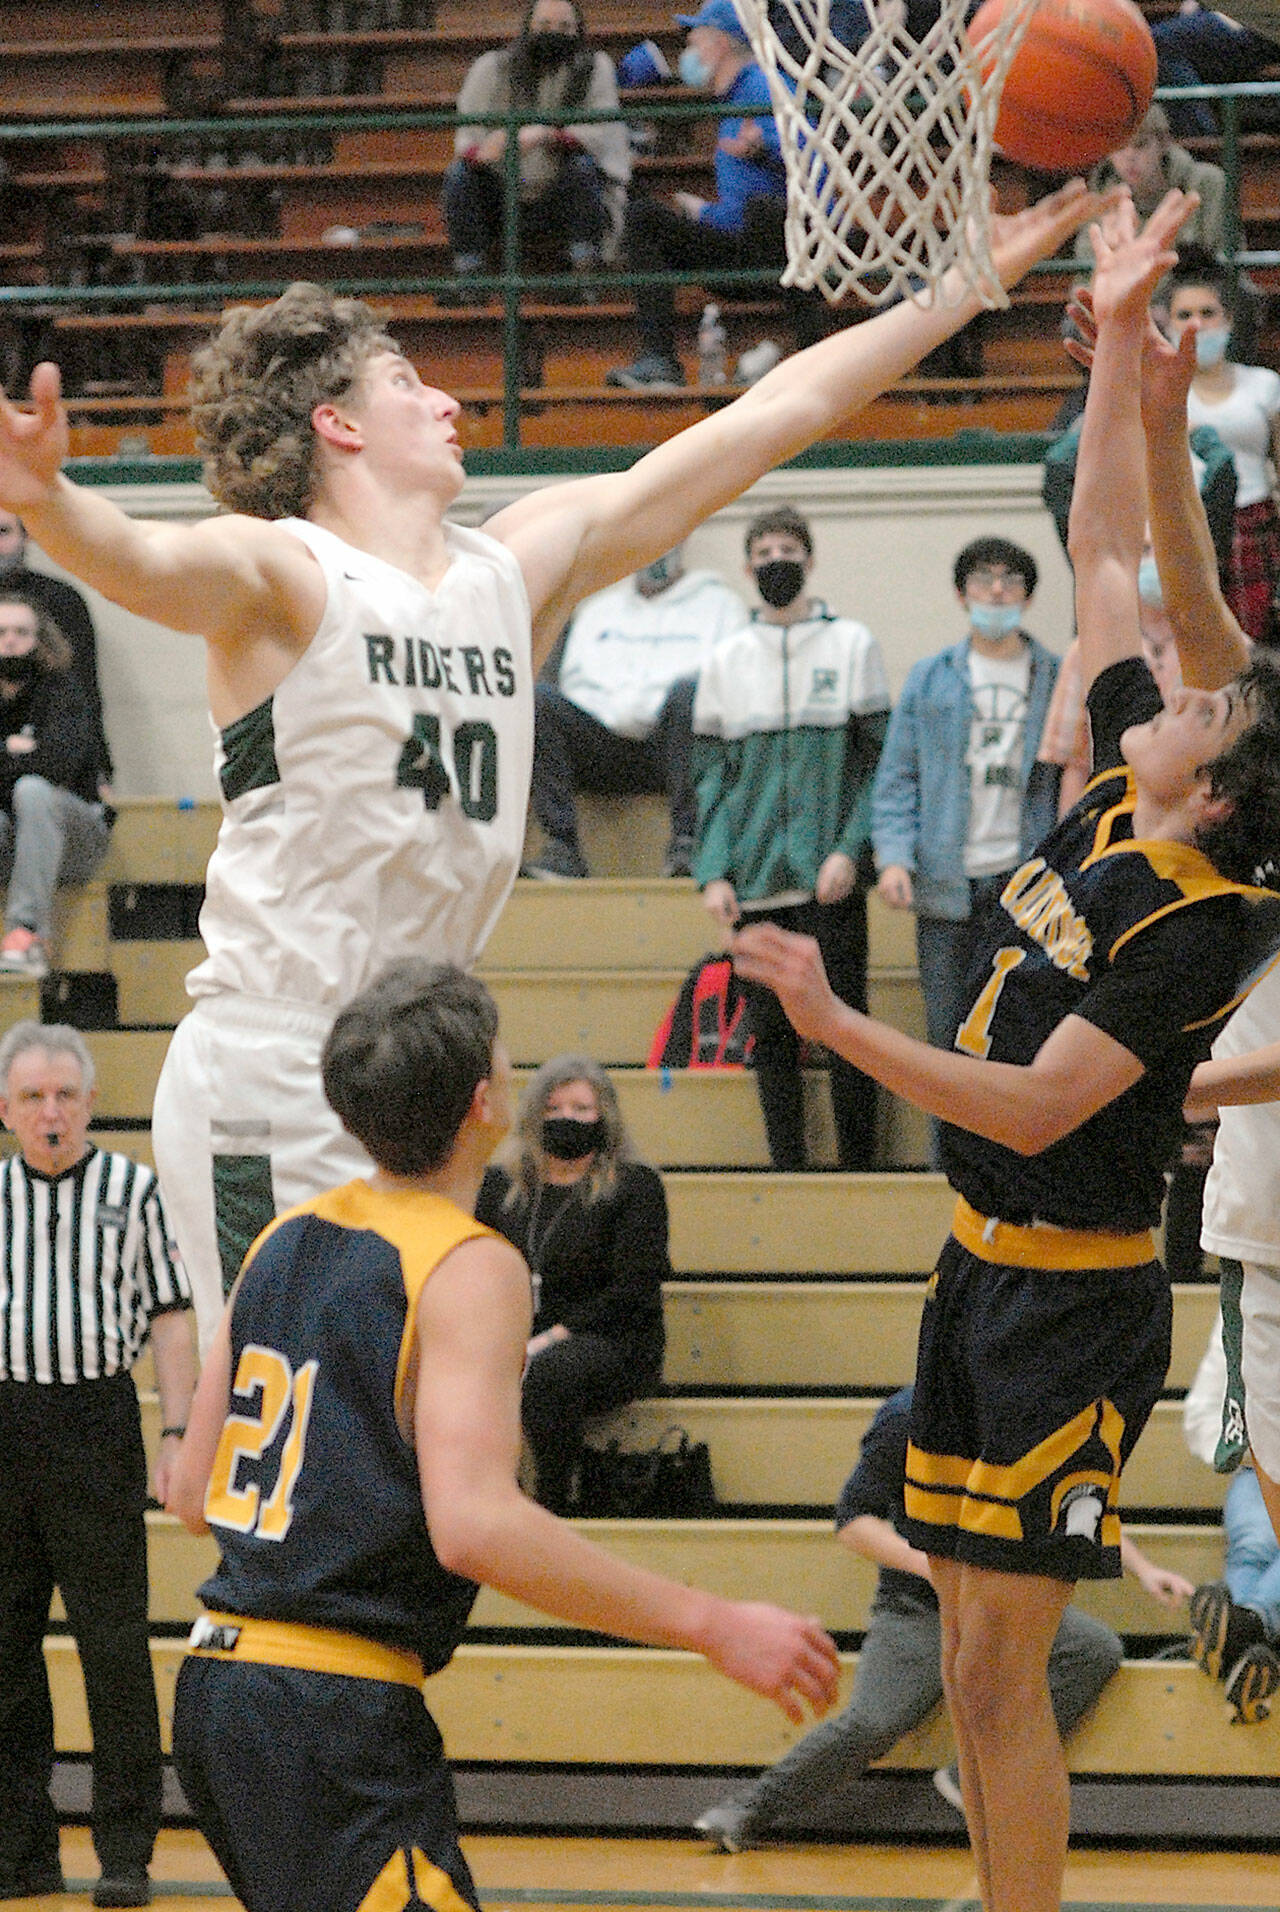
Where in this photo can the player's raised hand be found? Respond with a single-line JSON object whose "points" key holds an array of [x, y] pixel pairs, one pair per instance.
{"points": [[1020, 240], [783, 1656], [1131, 260], [791, 966], [33, 444]]}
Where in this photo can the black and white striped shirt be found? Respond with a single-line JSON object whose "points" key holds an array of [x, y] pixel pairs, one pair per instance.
{"points": [[86, 1259]]}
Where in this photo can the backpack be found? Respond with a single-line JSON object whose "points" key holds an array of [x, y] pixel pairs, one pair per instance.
{"points": [[706, 1025]]}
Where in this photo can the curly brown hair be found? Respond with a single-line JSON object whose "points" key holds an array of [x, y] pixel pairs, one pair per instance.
{"points": [[256, 384]]}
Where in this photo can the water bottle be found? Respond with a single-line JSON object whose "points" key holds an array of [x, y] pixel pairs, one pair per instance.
{"points": [[712, 367]]}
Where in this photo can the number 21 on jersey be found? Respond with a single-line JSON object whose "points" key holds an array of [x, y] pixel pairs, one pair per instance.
{"points": [[271, 1390], [974, 1033]]}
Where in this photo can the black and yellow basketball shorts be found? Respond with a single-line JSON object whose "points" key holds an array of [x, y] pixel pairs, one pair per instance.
{"points": [[1039, 1364], [319, 1789]]}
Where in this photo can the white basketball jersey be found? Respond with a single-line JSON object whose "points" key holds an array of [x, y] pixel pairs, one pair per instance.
{"points": [[374, 806]]}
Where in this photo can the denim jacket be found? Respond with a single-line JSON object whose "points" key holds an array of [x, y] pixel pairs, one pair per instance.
{"points": [[920, 799]]}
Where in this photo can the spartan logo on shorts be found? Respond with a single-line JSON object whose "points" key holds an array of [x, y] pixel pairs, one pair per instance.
{"points": [[1080, 1512]]}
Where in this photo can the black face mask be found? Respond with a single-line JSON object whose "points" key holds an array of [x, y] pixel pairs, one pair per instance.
{"points": [[779, 582], [569, 1140], [20, 670], [551, 49]]}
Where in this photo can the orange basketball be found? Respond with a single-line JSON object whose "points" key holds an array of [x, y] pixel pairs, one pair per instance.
{"points": [[1081, 80]]}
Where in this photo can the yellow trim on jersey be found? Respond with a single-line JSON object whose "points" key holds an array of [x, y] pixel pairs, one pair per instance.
{"points": [[1041, 1245], [309, 1649], [392, 1890]]}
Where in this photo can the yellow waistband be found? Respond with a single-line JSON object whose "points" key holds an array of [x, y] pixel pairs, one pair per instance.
{"points": [[229, 1636], [1041, 1245]]}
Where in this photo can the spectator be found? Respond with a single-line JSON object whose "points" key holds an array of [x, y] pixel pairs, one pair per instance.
{"points": [[88, 1274], [620, 720], [1242, 403], [742, 226], [1149, 165], [1198, 46], [899, 1678], [573, 179], [1235, 1621], [960, 797], [591, 1222], [794, 706], [52, 826], [65, 607]]}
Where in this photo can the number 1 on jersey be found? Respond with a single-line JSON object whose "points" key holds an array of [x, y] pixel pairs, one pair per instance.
{"points": [[974, 1033]]}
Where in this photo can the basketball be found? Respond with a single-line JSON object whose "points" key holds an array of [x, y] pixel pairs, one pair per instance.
{"points": [[1081, 80]]}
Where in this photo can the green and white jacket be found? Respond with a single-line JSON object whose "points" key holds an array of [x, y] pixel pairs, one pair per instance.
{"points": [[790, 719]]}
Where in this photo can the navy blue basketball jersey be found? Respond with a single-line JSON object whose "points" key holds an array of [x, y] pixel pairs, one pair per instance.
{"points": [[314, 1495], [1144, 940]]}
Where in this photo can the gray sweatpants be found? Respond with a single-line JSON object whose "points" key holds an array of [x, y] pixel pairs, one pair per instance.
{"points": [[52, 837], [898, 1684]]}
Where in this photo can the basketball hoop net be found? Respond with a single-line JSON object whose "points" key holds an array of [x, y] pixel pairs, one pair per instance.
{"points": [[887, 148]]}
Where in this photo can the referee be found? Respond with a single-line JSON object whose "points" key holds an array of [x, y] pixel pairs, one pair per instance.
{"points": [[87, 1271]]}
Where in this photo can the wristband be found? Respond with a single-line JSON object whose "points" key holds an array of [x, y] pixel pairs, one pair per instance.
{"points": [[177, 1432]]}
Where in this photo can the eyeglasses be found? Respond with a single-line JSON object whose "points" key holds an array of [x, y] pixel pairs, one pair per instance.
{"points": [[985, 575]]}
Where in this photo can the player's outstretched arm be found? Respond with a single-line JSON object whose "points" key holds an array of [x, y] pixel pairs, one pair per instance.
{"points": [[232, 580], [472, 1324], [1024, 1107], [574, 539], [1108, 505], [1225, 1082]]}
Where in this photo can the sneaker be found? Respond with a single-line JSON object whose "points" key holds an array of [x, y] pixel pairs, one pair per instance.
{"points": [[556, 862], [1221, 1631], [727, 1826], [678, 859], [31, 1882], [23, 954], [129, 1886], [946, 1782], [1251, 1682], [760, 359], [652, 372]]}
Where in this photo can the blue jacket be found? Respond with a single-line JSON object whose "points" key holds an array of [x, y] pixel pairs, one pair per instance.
{"points": [[738, 180], [920, 799]]}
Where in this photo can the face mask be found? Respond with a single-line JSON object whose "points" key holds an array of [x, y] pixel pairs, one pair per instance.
{"points": [[657, 576], [550, 49], [569, 1140], [1211, 349], [779, 582], [1149, 582], [694, 70], [20, 670], [995, 620]]}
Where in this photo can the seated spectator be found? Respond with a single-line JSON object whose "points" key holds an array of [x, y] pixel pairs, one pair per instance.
{"points": [[591, 1222], [53, 828], [621, 719], [899, 1679], [1149, 165], [742, 226], [573, 179], [1235, 1621], [794, 708], [1242, 403], [65, 607], [960, 798], [1198, 46]]}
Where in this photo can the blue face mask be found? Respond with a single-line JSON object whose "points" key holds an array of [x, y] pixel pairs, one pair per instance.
{"points": [[995, 620], [694, 70], [1211, 349], [1149, 582]]}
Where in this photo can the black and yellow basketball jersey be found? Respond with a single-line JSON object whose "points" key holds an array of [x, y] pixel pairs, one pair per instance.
{"points": [[314, 1495], [1143, 939]]}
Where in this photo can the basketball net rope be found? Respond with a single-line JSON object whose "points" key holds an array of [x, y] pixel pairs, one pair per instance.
{"points": [[887, 149]]}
